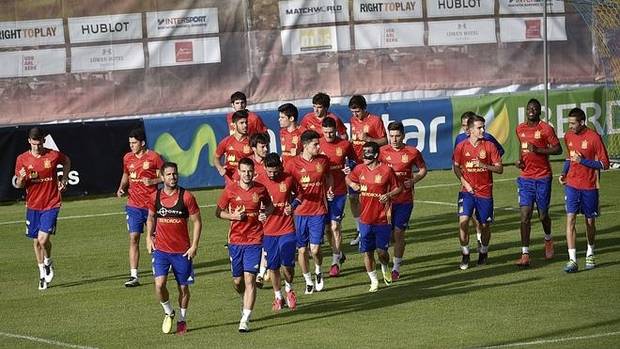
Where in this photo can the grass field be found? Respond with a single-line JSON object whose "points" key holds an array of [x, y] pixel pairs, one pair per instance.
{"points": [[434, 305]]}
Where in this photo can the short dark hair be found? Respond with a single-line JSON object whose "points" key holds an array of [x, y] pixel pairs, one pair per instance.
{"points": [[358, 101], [534, 101], [396, 126], [467, 115], [262, 138], [168, 164], [272, 160], [373, 145], [328, 122], [321, 99], [246, 161], [36, 133], [577, 113], [138, 134], [238, 95], [238, 115], [308, 136], [290, 110], [474, 118]]}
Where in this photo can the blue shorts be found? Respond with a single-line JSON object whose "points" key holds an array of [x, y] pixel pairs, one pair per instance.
{"points": [[534, 191], [335, 208], [401, 213], [244, 259], [468, 202], [280, 250], [136, 219], [374, 236], [581, 201], [41, 220], [181, 266], [309, 229]]}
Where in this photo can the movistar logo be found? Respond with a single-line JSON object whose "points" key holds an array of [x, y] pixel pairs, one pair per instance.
{"points": [[167, 146], [498, 123]]}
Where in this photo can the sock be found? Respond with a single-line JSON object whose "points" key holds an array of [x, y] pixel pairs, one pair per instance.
{"points": [[336, 258], [525, 250], [397, 262], [134, 272], [288, 287], [246, 315], [572, 254], [548, 237], [167, 307], [465, 250], [308, 279], [484, 249], [317, 269], [41, 270], [183, 312], [590, 251], [278, 294], [384, 268], [47, 261], [479, 236], [373, 277]]}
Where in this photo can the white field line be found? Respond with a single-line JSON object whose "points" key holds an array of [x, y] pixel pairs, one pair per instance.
{"points": [[556, 340], [46, 341]]}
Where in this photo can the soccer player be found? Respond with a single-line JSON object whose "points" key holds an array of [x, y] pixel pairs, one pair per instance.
{"points": [[474, 162], [234, 147], [538, 141], [311, 171], [402, 159], [313, 120], [167, 240], [280, 241], [246, 204], [239, 102], [587, 157], [140, 179], [463, 136], [337, 151], [365, 127], [377, 185], [290, 132], [36, 171]]}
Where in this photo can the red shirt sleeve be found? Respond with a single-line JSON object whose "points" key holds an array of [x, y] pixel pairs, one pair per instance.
{"points": [[159, 162], [419, 160], [266, 198], [221, 148], [223, 201], [495, 157], [457, 156], [260, 125], [190, 203], [18, 165], [552, 139], [601, 152], [151, 203], [340, 127], [392, 179], [354, 175], [380, 128]]}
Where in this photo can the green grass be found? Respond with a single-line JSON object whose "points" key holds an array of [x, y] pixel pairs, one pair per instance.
{"points": [[434, 305]]}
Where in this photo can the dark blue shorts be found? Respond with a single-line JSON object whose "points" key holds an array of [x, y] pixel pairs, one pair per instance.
{"points": [[534, 191], [335, 208], [41, 220], [181, 266], [309, 229], [483, 207], [581, 201], [136, 219], [401, 213], [280, 250], [244, 259], [374, 236]]}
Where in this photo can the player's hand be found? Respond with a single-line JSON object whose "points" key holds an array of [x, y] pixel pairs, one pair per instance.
{"points": [[190, 253], [384, 198], [221, 171], [330, 194], [22, 173], [562, 179], [62, 185], [407, 183], [468, 187], [288, 209], [346, 170], [520, 164], [238, 214], [120, 192], [575, 156], [532, 148], [149, 244]]}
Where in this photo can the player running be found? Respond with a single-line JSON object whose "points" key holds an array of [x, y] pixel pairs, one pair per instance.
{"points": [[233, 147]]}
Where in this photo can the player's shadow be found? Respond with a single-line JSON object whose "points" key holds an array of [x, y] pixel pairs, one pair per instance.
{"points": [[145, 276], [211, 267]]}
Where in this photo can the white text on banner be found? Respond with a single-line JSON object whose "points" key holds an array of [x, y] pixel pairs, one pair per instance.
{"points": [[370, 10], [183, 22], [295, 12], [32, 63], [460, 8], [107, 57], [32, 33], [105, 28], [463, 32], [529, 6]]}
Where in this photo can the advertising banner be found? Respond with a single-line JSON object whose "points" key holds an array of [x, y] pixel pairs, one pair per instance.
{"points": [[372, 10], [461, 32], [530, 6], [105, 28], [182, 52], [296, 12], [32, 63], [388, 35], [96, 150], [315, 39], [32, 33], [459, 8], [531, 29], [107, 57], [184, 22]]}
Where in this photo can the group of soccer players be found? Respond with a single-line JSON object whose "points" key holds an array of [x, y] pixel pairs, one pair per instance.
{"points": [[283, 205]]}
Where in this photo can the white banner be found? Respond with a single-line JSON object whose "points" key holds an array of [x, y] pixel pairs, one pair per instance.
{"points": [[32, 63], [464, 32], [184, 52], [105, 28], [460, 8], [107, 57], [295, 12], [370, 10], [318, 39], [530, 6], [183, 22], [388, 35], [531, 29], [32, 33]]}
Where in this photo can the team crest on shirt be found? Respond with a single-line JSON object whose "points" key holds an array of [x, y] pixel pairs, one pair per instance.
{"points": [[584, 144], [231, 158], [404, 158], [146, 165], [47, 163], [338, 151], [304, 179], [524, 145], [254, 197], [295, 139], [482, 154], [282, 187], [537, 135], [247, 149], [319, 168], [133, 175], [378, 178], [363, 187], [366, 128]]}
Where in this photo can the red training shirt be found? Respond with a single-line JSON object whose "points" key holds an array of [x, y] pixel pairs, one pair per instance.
{"points": [[255, 123], [402, 161], [480, 179], [250, 230], [171, 234], [374, 183], [337, 152], [372, 125], [542, 136], [312, 178], [311, 122], [589, 145], [281, 190], [41, 180], [137, 169]]}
